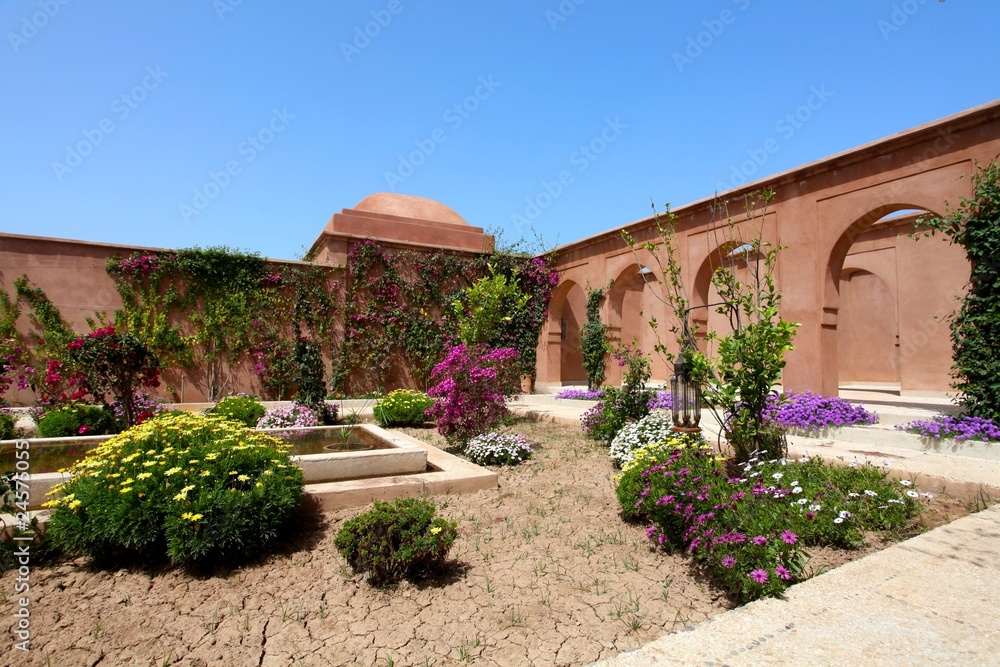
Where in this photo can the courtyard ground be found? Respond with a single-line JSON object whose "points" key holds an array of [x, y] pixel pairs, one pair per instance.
{"points": [[544, 572]]}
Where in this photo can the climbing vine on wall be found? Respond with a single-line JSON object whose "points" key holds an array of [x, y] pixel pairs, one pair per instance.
{"points": [[223, 312], [48, 344], [399, 315], [975, 328], [386, 317], [594, 341]]}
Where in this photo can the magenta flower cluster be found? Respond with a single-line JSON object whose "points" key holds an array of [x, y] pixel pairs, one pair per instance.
{"points": [[471, 389], [141, 264], [692, 505], [811, 411], [14, 368], [960, 427]]}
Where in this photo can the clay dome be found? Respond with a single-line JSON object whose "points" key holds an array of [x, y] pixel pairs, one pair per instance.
{"points": [[409, 206]]}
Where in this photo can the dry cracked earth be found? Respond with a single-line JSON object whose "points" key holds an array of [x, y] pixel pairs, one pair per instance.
{"points": [[545, 572]]}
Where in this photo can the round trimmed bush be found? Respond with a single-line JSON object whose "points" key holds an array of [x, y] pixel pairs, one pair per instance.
{"points": [[288, 416], [245, 410], [402, 407], [498, 449], [395, 540], [197, 489], [75, 419]]}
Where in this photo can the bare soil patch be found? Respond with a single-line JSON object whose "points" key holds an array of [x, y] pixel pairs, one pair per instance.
{"points": [[545, 572]]}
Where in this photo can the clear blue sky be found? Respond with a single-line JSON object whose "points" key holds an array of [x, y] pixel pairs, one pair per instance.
{"points": [[116, 115]]}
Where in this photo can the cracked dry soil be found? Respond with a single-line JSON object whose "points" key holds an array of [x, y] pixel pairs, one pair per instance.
{"points": [[544, 572]]}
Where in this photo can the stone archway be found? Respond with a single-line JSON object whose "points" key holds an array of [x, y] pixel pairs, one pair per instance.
{"points": [[567, 314], [884, 311]]}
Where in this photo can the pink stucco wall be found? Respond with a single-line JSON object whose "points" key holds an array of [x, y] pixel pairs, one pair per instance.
{"points": [[825, 215]]}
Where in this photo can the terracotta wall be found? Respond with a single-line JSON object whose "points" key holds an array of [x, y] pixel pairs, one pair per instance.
{"points": [[72, 274], [852, 284]]}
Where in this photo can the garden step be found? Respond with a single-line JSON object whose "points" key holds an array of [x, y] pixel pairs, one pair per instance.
{"points": [[933, 471], [879, 435], [896, 415]]}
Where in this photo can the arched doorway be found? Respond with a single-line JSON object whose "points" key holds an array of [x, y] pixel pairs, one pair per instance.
{"points": [[867, 332], [885, 317], [567, 314], [630, 305]]}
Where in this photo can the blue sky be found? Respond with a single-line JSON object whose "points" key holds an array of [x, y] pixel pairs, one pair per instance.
{"points": [[249, 123]]}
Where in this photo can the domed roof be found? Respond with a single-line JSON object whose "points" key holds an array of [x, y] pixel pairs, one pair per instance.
{"points": [[409, 206]]}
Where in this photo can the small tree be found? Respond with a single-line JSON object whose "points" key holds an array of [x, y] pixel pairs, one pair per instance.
{"points": [[750, 357], [594, 341], [116, 364], [485, 305], [975, 328]]}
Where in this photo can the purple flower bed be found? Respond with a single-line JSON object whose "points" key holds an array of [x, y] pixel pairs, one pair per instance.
{"points": [[581, 394], [812, 412], [964, 427], [661, 400]]}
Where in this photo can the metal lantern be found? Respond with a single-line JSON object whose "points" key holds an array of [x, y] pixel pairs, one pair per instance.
{"points": [[685, 399]]}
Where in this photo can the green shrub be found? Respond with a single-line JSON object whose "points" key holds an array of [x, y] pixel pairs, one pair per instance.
{"points": [[76, 419], [6, 426], [199, 489], [594, 341], [402, 407], [396, 540], [245, 410], [975, 328]]}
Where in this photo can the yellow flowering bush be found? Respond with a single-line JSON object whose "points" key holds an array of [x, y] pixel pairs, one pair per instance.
{"points": [[402, 407], [198, 488]]}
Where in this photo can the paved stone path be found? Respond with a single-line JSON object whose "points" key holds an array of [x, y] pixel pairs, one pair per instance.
{"points": [[931, 600]]}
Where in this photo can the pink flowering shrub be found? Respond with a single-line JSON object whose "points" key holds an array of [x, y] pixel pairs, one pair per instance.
{"points": [[14, 368], [116, 364], [471, 388]]}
